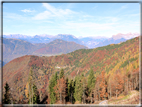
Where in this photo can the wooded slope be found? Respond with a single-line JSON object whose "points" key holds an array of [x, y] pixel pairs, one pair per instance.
{"points": [[114, 60]]}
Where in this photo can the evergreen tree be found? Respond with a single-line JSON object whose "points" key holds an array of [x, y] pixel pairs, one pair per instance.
{"points": [[52, 83], [36, 99], [6, 99], [61, 73], [67, 89], [84, 87], [78, 89], [33, 92], [55, 77], [71, 91], [91, 83]]}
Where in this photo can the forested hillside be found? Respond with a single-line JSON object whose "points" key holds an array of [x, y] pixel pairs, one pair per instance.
{"points": [[83, 76]]}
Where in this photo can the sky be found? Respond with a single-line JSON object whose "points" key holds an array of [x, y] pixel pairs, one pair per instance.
{"points": [[78, 19]]}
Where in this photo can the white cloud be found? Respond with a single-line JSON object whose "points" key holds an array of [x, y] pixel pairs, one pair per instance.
{"points": [[87, 16], [43, 15], [50, 8], [57, 11], [53, 12], [109, 19], [27, 10], [132, 15], [13, 16]]}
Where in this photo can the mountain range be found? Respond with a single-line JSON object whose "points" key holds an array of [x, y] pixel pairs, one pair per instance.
{"points": [[13, 48], [16, 45], [90, 42], [44, 38], [110, 41], [111, 59]]}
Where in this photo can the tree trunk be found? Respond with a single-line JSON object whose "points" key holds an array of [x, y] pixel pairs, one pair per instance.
{"points": [[91, 96], [110, 90], [94, 95], [29, 94], [40, 95], [83, 93], [83, 97], [116, 93], [64, 99], [124, 85], [132, 83], [60, 96], [99, 96], [71, 97], [136, 82], [32, 93], [127, 84]]}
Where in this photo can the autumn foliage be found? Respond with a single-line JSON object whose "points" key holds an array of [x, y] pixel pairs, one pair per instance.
{"points": [[115, 71]]}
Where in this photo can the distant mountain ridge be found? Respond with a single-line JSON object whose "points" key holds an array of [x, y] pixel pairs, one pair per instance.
{"points": [[44, 38], [90, 42], [110, 41], [59, 46], [68, 37]]}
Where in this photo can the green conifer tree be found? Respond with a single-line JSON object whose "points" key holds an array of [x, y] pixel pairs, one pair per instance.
{"points": [[78, 89], [71, 91], [6, 99], [36, 99], [56, 77], [91, 82], [52, 83], [33, 92], [84, 87], [61, 73]]}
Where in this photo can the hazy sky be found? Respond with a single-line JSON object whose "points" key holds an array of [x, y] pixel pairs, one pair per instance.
{"points": [[78, 19]]}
